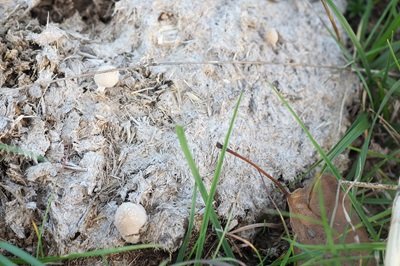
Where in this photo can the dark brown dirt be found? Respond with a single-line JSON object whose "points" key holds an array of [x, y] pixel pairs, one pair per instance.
{"points": [[58, 10]]}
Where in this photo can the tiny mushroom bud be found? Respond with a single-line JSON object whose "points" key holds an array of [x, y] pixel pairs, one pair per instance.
{"points": [[106, 80], [129, 219], [271, 37]]}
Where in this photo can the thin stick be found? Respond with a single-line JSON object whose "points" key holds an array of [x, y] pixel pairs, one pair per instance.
{"points": [[279, 185], [332, 20], [369, 185]]}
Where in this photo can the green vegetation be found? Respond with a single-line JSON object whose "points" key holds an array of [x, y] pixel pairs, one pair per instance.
{"points": [[14, 150]]}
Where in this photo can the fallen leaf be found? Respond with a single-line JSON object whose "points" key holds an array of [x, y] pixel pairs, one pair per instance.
{"points": [[306, 217], [305, 202]]}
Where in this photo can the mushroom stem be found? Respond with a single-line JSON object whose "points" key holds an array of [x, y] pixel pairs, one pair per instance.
{"points": [[100, 89]]}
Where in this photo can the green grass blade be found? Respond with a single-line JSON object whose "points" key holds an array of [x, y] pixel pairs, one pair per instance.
{"points": [[378, 50], [185, 243], [364, 150], [217, 262], [363, 26], [5, 262], [213, 188], [203, 192], [24, 256], [394, 25], [287, 256], [299, 257], [377, 166], [216, 251], [393, 55], [378, 201], [325, 223], [383, 59], [39, 247], [364, 85], [18, 151], [357, 128], [334, 170], [377, 25], [374, 154], [352, 36], [363, 156], [358, 48], [345, 247], [355, 260], [99, 252]]}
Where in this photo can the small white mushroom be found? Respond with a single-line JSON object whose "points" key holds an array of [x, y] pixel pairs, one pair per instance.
{"points": [[271, 37], [106, 80], [129, 219]]}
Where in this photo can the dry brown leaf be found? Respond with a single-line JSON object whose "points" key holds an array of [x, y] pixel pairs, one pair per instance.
{"points": [[306, 217], [306, 202]]}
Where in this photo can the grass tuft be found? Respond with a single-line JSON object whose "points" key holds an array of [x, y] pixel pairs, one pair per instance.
{"points": [[209, 213]]}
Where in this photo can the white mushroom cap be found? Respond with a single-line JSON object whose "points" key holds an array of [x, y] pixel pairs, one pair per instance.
{"points": [[129, 219], [106, 80]]}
